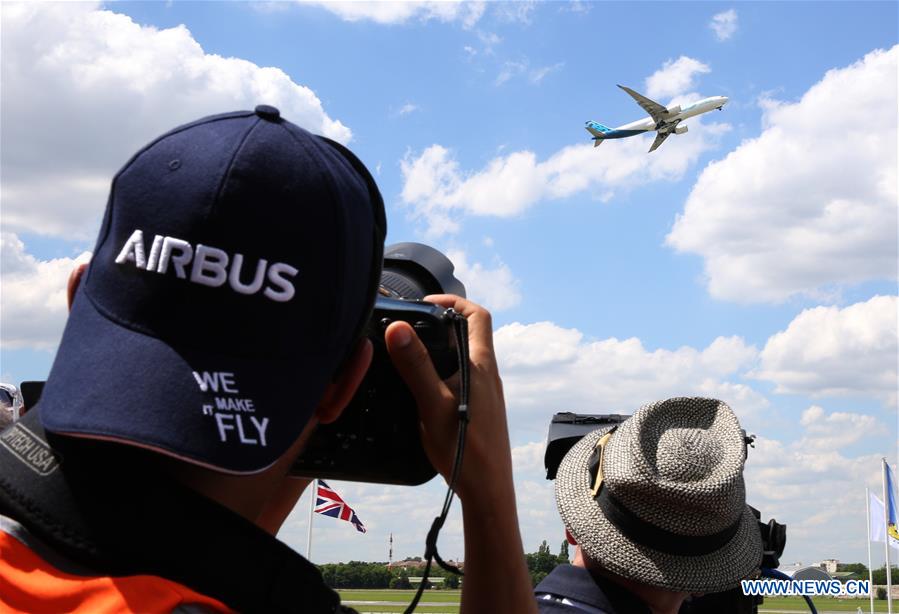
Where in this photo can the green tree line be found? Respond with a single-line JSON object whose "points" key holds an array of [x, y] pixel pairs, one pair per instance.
{"points": [[358, 574], [542, 562], [879, 575]]}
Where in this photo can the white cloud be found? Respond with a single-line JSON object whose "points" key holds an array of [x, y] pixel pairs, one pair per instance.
{"points": [[724, 24], [440, 193], [833, 351], [406, 109], [547, 368], [515, 12], [809, 203], [538, 517], [489, 40], [537, 75], [815, 486], [468, 13], [510, 69], [675, 77], [527, 347], [577, 6], [100, 86], [496, 288], [528, 458], [33, 306], [836, 430]]}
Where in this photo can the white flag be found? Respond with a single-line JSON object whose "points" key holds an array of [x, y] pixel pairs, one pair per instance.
{"points": [[878, 525]]}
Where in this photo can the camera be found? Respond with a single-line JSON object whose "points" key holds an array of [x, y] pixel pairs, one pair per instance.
{"points": [[377, 437], [10, 404], [567, 428]]}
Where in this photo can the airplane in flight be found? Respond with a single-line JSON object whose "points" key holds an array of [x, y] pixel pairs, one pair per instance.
{"points": [[662, 120]]}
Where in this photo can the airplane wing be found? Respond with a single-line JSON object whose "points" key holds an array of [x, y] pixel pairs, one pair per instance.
{"points": [[660, 138], [655, 110]]}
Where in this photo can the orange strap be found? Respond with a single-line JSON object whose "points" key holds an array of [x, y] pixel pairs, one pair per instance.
{"points": [[30, 584]]}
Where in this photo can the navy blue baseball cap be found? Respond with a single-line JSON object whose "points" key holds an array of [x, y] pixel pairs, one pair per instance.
{"points": [[236, 267]]}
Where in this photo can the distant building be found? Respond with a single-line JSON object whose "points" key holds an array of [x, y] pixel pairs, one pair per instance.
{"points": [[829, 565], [805, 572], [842, 576], [417, 563]]}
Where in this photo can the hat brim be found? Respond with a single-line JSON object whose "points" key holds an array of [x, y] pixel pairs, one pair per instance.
{"points": [[602, 542], [113, 383]]}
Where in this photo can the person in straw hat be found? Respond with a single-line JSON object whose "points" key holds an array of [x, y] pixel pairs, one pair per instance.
{"points": [[657, 509]]}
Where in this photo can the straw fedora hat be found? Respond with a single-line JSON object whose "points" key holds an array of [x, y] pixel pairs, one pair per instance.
{"points": [[661, 499]]}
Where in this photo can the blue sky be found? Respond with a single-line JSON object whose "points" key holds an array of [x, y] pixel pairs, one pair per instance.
{"points": [[753, 258]]}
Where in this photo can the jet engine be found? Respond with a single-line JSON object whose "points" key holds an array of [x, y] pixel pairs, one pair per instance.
{"points": [[681, 129], [672, 111]]}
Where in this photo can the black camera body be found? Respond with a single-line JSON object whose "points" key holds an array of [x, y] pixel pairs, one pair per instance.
{"points": [[567, 428], [377, 437]]}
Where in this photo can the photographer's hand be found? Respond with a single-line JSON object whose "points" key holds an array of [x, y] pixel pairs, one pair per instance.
{"points": [[496, 578]]}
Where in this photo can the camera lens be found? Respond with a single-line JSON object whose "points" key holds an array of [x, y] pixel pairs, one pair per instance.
{"points": [[413, 271], [399, 285]]}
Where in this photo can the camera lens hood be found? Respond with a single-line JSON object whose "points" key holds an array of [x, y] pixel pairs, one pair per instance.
{"points": [[432, 271]]}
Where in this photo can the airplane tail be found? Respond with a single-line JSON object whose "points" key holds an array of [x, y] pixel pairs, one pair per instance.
{"points": [[598, 131]]}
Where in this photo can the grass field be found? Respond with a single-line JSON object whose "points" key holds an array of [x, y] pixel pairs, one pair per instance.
{"points": [[823, 604], [393, 595], [439, 601]]}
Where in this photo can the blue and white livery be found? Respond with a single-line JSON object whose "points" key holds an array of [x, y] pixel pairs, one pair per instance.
{"points": [[662, 120]]}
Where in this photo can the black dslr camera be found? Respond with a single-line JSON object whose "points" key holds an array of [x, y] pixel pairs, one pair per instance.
{"points": [[567, 428], [376, 438]]}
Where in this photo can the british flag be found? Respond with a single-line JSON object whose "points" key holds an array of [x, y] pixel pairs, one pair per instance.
{"points": [[329, 503]]}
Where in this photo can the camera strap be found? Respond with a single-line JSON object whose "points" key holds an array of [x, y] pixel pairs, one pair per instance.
{"points": [[460, 328]]}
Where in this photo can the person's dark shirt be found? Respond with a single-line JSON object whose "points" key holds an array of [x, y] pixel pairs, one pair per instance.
{"points": [[574, 589], [104, 507]]}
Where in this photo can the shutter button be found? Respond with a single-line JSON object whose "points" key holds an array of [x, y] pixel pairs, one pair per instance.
{"points": [[268, 112]]}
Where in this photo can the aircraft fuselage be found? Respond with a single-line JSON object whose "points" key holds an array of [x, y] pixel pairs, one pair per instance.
{"points": [[648, 124], [663, 120]]}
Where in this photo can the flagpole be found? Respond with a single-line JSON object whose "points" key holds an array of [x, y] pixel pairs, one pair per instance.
{"points": [[309, 527], [870, 570], [886, 535]]}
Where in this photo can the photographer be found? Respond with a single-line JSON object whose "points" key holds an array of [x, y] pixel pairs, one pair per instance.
{"points": [[657, 509], [220, 320]]}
